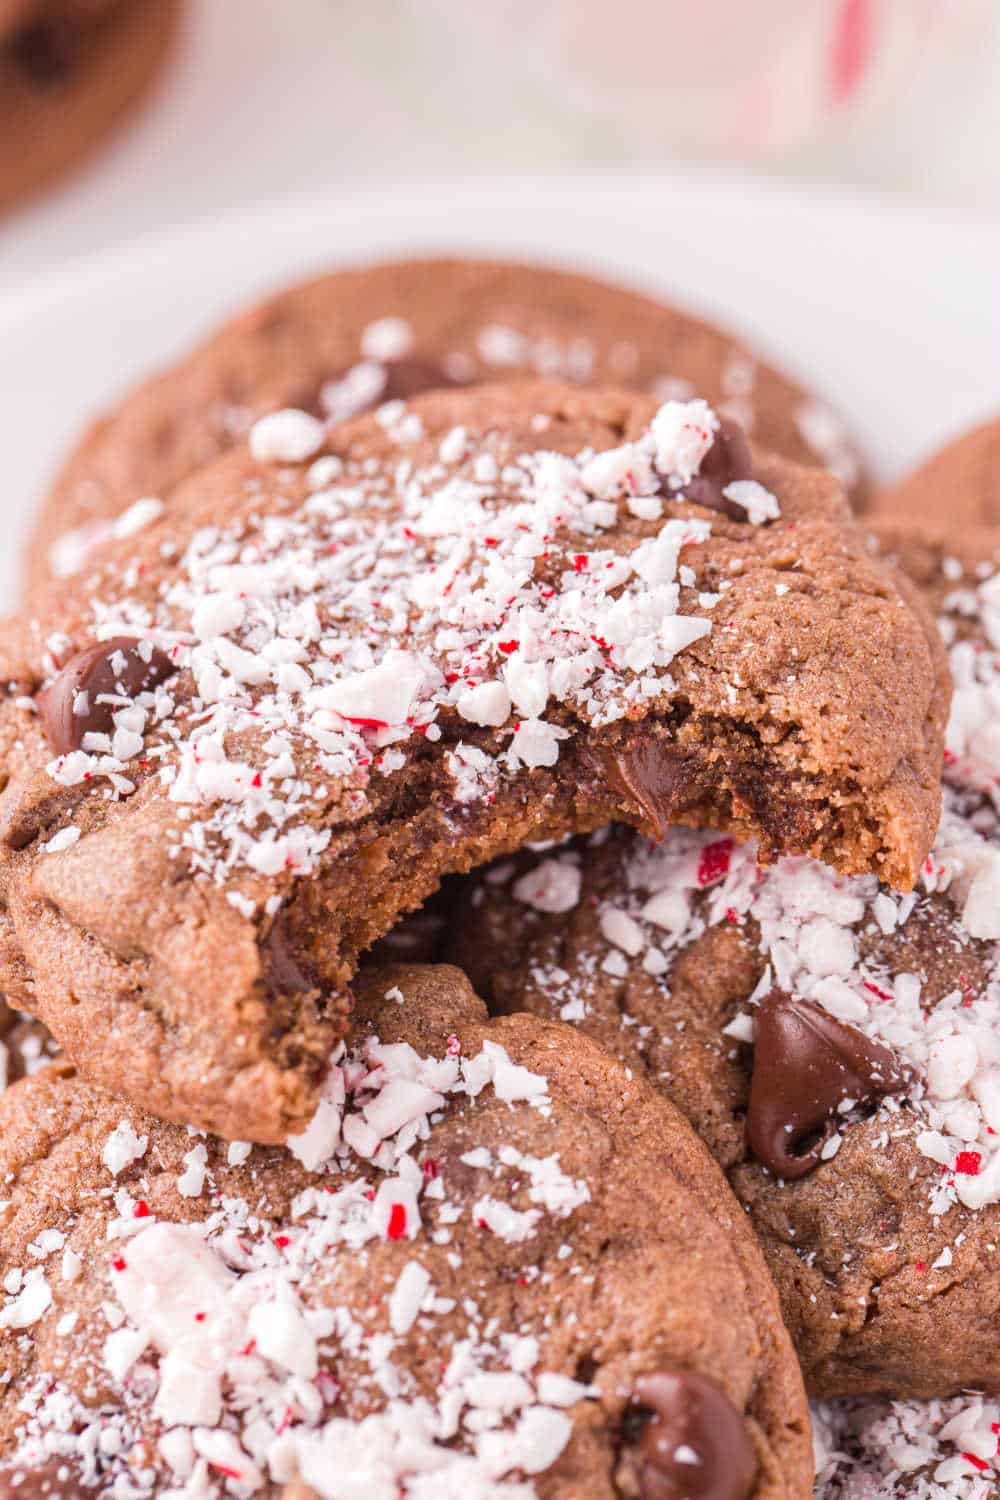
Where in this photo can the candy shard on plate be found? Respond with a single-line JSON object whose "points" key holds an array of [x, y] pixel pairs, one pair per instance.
{"points": [[333, 677], [497, 1266]]}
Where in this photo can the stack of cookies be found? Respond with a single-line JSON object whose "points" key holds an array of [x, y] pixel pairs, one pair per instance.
{"points": [[500, 924]]}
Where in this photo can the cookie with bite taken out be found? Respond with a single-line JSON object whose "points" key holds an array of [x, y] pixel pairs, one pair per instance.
{"points": [[345, 665]]}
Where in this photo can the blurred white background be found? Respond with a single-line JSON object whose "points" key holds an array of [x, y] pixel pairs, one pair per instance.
{"points": [[273, 97]]}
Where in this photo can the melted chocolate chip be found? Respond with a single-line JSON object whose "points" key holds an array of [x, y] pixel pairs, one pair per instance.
{"points": [[646, 771], [410, 377], [45, 52], [726, 461], [805, 1065], [695, 1445], [287, 975], [94, 684]]}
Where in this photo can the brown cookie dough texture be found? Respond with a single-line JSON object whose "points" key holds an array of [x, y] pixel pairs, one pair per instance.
{"points": [[496, 1266], [69, 73], [958, 486], [879, 1213], [352, 338], [448, 629]]}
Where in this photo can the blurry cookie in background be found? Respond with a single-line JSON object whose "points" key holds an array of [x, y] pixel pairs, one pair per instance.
{"points": [[957, 486], [357, 338], [70, 71]]}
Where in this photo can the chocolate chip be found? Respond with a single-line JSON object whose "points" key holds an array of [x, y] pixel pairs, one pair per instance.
{"points": [[46, 51], [410, 377], [646, 771], [727, 460], [94, 684], [695, 1445], [805, 1065], [287, 974]]}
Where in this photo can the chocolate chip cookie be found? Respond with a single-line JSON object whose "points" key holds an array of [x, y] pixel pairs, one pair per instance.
{"points": [[955, 487], [495, 1265], [70, 70], [342, 666], [354, 338], [837, 1045]]}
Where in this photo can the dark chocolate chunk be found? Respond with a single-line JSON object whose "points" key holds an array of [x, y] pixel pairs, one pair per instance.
{"points": [[287, 974], [46, 51], [726, 461], [648, 772], [92, 685], [695, 1445], [806, 1064]]}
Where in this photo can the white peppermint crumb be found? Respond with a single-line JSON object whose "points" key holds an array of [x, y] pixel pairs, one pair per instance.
{"points": [[64, 839], [287, 436], [122, 1147], [386, 339]]}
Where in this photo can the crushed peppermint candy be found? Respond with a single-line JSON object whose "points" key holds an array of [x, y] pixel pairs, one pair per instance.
{"points": [[927, 1450], [220, 1336], [324, 643]]}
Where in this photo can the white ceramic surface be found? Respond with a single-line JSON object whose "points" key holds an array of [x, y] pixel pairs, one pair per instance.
{"points": [[890, 310]]}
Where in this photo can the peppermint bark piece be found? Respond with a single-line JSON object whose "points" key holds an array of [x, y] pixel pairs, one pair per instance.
{"points": [[358, 336], [350, 665], [495, 1265]]}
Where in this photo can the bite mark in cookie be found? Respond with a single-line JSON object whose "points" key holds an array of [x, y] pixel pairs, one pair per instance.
{"points": [[495, 1266], [884, 1250], [400, 653]]}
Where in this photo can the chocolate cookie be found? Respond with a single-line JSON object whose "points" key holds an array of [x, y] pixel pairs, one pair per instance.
{"points": [[70, 70], [957, 486], [927, 1450], [495, 1265], [860, 1130], [353, 338], [341, 668]]}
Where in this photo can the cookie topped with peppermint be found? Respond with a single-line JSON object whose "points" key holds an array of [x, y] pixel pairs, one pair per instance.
{"points": [[358, 336], [835, 1043], [495, 1266], [345, 665], [837, 1046], [907, 1450]]}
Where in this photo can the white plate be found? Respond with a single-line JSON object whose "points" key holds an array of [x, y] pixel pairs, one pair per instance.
{"points": [[889, 309]]}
